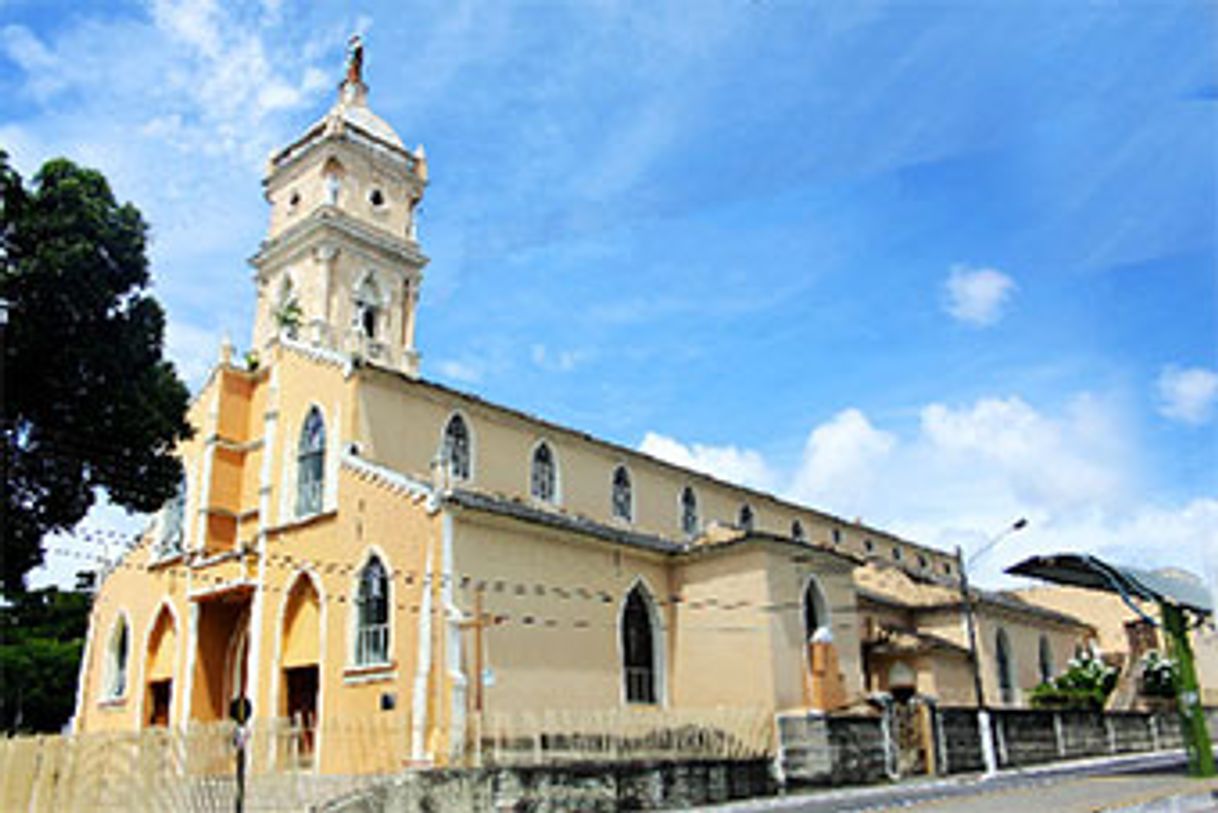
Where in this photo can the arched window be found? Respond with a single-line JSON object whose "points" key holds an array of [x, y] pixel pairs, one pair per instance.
{"points": [[797, 531], [367, 307], [310, 464], [456, 449], [639, 648], [333, 181], [117, 656], [1002, 657], [172, 520], [1046, 660], [689, 511], [623, 499], [372, 615], [746, 517], [544, 475]]}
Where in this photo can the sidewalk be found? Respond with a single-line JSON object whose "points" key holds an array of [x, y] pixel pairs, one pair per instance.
{"points": [[968, 789]]}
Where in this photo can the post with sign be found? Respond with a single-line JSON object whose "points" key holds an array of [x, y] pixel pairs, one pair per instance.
{"points": [[239, 710]]}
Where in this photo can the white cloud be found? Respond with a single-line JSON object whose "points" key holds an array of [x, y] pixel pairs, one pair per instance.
{"points": [[561, 361], [192, 349], [743, 466], [964, 472], [463, 371], [841, 460], [1188, 394], [977, 296]]}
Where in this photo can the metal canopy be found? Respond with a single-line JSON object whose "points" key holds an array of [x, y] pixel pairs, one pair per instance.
{"points": [[1082, 570]]}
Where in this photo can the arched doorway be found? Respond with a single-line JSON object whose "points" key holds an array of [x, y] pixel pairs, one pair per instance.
{"points": [[823, 685], [158, 671], [300, 661]]}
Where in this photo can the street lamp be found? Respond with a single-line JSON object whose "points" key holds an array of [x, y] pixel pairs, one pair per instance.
{"points": [[984, 731]]}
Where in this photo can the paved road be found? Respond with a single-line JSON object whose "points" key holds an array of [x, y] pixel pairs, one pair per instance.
{"points": [[1153, 784]]}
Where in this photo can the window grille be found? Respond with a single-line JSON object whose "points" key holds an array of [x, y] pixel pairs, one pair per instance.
{"points": [[544, 480]]}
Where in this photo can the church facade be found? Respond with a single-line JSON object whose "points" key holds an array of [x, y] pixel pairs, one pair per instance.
{"points": [[352, 539]]}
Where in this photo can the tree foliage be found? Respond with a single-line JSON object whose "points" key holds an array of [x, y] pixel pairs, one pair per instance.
{"points": [[90, 400], [1085, 684], [42, 634]]}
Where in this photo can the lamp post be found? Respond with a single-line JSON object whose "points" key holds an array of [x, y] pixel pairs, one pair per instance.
{"points": [[984, 730]]}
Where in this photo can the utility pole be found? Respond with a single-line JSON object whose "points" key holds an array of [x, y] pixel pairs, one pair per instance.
{"points": [[985, 729]]}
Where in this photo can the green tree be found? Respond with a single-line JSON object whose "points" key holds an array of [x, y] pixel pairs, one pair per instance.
{"points": [[90, 400], [42, 634]]}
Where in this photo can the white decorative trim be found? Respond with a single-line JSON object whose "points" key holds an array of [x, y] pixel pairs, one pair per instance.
{"points": [[386, 476], [270, 421], [192, 637], [453, 618], [82, 672], [422, 673], [314, 352], [222, 587]]}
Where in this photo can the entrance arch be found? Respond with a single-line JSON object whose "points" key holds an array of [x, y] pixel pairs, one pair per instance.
{"points": [[300, 659], [823, 685], [158, 669]]}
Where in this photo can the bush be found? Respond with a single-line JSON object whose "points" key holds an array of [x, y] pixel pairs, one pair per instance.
{"points": [[1158, 676], [1085, 685]]}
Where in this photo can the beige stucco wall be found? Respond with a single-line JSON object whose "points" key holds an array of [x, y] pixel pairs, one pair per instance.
{"points": [[400, 424]]}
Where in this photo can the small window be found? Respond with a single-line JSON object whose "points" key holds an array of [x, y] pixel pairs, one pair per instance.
{"points": [[746, 517], [837, 536], [310, 464], [456, 448], [1002, 658], [896, 554], [543, 482], [868, 545], [623, 499], [376, 198], [947, 568], [797, 531], [372, 615], [294, 200], [368, 307], [922, 563], [689, 511]]}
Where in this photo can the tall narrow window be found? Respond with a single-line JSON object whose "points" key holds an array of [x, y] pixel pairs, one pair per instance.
{"points": [[689, 511], [310, 464], [623, 499], [797, 531], [367, 307], [1046, 660], [638, 649], [544, 475], [372, 615], [746, 517], [172, 520], [120, 646], [456, 449], [1002, 656]]}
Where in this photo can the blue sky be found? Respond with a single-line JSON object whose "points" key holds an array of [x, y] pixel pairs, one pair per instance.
{"points": [[932, 265]]}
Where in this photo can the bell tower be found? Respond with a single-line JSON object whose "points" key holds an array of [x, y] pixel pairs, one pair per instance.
{"points": [[341, 267]]}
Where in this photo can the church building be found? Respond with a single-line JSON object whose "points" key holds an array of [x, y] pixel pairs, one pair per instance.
{"points": [[353, 539]]}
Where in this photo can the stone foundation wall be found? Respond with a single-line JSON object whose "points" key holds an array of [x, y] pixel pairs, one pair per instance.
{"points": [[585, 787]]}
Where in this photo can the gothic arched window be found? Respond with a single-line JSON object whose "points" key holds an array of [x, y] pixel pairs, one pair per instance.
{"points": [[372, 615], [1046, 660], [746, 517], [543, 480], [310, 464], [117, 656], [639, 648], [1002, 657], [689, 511], [455, 451], [623, 498]]}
